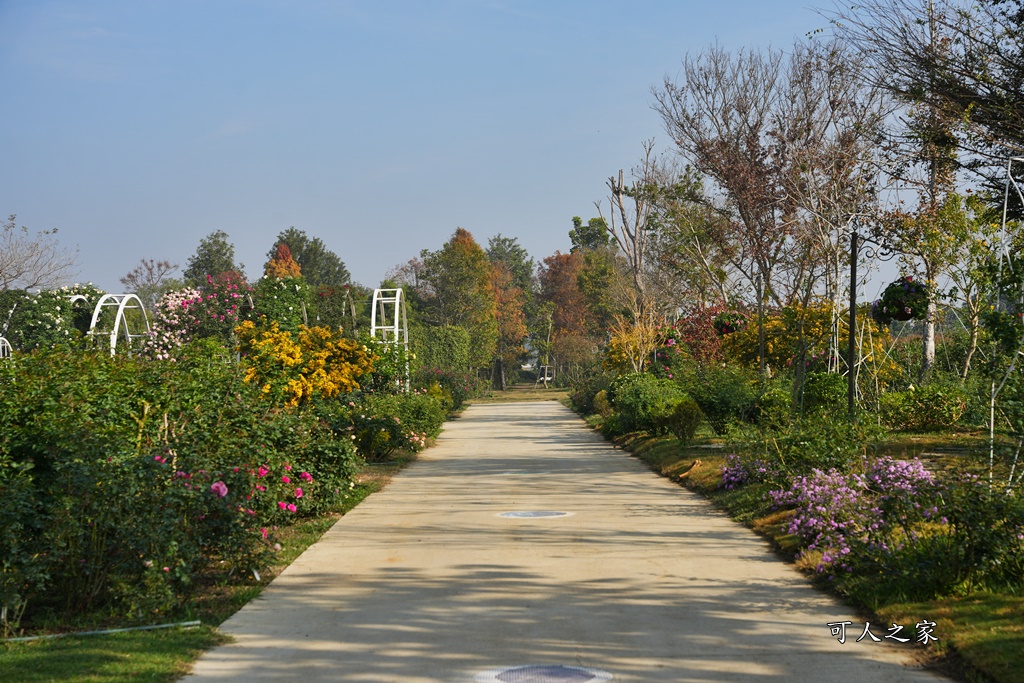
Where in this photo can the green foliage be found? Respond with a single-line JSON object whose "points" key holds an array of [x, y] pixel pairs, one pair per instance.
{"points": [[725, 394], [49, 319], [774, 408], [584, 391], [380, 424], [825, 391], [458, 386], [124, 480], [934, 407], [283, 300], [321, 267], [602, 406], [508, 252], [986, 524], [593, 235], [684, 420], [214, 257], [460, 293], [645, 402], [446, 346]]}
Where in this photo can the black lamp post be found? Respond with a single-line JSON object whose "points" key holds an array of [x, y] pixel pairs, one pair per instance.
{"points": [[879, 251]]}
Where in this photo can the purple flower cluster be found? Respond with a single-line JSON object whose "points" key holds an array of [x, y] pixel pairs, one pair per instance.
{"points": [[846, 515], [738, 472]]}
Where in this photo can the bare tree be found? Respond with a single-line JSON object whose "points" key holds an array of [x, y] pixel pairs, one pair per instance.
{"points": [[30, 261], [150, 280], [780, 144], [631, 207]]}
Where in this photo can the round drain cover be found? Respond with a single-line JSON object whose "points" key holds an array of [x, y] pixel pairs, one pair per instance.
{"points": [[532, 514], [544, 673]]}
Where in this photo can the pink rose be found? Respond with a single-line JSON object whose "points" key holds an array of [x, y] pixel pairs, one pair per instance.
{"points": [[298, 493], [281, 504], [219, 488], [262, 471], [286, 480], [291, 507], [306, 476]]}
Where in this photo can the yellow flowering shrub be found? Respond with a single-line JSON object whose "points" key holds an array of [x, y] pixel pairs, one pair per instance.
{"points": [[317, 362], [810, 326]]}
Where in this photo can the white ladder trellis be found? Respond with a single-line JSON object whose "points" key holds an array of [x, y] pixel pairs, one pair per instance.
{"points": [[388, 318]]}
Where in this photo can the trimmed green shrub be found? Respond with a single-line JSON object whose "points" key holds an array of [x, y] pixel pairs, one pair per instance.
{"points": [[602, 406], [644, 402], [724, 394], [930, 408], [586, 388], [684, 420]]}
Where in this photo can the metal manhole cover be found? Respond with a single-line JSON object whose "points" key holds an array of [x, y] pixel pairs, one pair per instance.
{"points": [[544, 673], [533, 514]]}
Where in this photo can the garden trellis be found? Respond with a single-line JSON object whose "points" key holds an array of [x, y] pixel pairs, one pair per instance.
{"points": [[123, 303], [388, 317]]}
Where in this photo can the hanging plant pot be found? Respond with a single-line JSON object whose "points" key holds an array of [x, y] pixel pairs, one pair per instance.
{"points": [[728, 322], [903, 299]]}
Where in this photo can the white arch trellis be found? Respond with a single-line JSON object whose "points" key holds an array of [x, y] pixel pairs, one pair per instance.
{"points": [[388, 318], [121, 327], [5, 348]]}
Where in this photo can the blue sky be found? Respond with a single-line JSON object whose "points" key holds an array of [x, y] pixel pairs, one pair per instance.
{"points": [[136, 127]]}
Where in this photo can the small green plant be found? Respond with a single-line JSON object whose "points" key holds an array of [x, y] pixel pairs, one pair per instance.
{"points": [[684, 420], [602, 406], [824, 391]]}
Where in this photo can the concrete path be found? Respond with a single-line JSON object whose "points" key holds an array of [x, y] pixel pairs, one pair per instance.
{"points": [[639, 581]]}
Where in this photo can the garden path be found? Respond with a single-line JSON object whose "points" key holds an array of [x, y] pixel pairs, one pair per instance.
{"points": [[641, 581]]}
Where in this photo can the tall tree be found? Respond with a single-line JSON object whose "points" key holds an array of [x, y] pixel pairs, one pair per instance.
{"points": [[629, 216], [320, 265], [150, 280], [508, 252], [594, 235], [29, 261], [214, 257], [511, 322], [761, 130], [963, 62], [457, 290]]}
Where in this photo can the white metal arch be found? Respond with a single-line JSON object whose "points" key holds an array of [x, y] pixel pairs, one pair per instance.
{"points": [[5, 348], [123, 302], [388, 317]]}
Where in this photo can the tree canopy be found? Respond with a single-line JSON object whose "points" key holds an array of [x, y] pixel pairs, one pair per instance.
{"points": [[320, 265]]}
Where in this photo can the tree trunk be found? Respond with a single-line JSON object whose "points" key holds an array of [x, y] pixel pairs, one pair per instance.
{"points": [[928, 343], [972, 346]]}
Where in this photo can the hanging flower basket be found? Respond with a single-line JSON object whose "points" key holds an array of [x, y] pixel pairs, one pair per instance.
{"points": [[728, 322], [904, 299]]}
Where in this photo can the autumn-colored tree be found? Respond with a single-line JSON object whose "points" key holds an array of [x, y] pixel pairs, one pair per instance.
{"points": [[511, 321], [559, 284], [282, 265], [457, 290]]}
